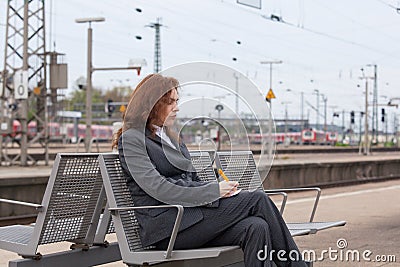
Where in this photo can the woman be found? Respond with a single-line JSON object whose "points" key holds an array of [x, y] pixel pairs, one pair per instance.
{"points": [[160, 172]]}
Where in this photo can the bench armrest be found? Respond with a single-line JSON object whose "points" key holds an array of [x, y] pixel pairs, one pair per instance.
{"points": [[174, 230], [284, 199], [22, 203], [317, 196]]}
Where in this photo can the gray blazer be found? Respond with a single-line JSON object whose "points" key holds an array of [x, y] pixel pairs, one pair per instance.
{"points": [[160, 174]]}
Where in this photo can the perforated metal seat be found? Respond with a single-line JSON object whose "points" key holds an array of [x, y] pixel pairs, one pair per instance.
{"points": [[314, 226], [127, 227], [69, 211], [202, 163], [19, 234], [240, 166]]}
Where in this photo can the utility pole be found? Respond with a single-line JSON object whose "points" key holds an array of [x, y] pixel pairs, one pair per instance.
{"points": [[157, 45], [317, 92], [24, 102], [366, 138], [219, 108], [325, 99], [359, 135], [270, 142], [375, 114], [90, 70], [366, 141], [396, 123], [302, 126], [386, 127], [343, 137], [237, 93], [302, 111], [286, 142], [88, 136], [24, 51]]}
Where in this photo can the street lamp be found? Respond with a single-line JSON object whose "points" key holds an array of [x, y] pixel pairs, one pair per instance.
{"points": [[89, 79], [219, 108]]}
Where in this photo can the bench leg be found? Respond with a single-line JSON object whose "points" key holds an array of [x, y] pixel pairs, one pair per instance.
{"points": [[93, 256]]}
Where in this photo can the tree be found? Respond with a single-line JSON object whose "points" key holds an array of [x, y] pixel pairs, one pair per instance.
{"points": [[76, 101]]}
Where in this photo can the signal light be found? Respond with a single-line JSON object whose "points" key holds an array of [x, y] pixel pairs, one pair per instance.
{"points": [[352, 117], [110, 107]]}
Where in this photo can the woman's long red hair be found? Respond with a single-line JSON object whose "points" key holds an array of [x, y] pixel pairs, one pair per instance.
{"points": [[147, 104]]}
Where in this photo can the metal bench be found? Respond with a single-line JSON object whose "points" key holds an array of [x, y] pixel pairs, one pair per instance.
{"points": [[127, 228], [70, 211], [203, 164], [240, 166]]}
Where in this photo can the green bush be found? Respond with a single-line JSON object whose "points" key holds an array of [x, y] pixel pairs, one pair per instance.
{"points": [[341, 144], [389, 144]]}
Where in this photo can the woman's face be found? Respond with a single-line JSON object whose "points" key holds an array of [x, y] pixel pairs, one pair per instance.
{"points": [[171, 109]]}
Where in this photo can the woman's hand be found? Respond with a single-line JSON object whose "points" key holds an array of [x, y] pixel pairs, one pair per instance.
{"points": [[226, 189]]}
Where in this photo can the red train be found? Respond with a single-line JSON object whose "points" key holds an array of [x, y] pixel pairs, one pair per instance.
{"points": [[59, 131], [294, 138], [306, 137], [318, 137]]}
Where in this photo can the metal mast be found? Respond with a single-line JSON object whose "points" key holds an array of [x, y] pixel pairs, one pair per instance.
{"points": [[375, 103], [157, 45], [24, 51]]}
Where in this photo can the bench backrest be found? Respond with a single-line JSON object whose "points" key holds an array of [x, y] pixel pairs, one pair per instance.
{"points": [[118, 195], [72, 200], [202, 163], [239, 166]]}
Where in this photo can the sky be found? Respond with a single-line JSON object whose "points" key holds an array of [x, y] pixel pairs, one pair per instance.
{"points": [[322, 45]]}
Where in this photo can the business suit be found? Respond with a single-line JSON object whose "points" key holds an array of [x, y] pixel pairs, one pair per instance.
{"points": [[159, 173]]}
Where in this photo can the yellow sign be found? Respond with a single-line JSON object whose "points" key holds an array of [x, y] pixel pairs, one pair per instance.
{"points": [[36, 90], [122, 108], [270, 95]]}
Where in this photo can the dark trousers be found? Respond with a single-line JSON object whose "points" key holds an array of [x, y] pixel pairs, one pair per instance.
{"points": [[250, 220]]}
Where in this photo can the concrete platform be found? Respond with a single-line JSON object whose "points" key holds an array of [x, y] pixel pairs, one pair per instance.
{"points": [[372, 212]]}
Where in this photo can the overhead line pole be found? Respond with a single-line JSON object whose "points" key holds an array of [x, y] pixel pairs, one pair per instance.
{"points": [[375, 116], [24, 102], [157, 44], [270, 142], [366, 138]]}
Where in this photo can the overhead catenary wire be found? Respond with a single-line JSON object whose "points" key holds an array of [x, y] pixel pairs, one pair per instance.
{"points": [[279, 19], [389, 5], [200, 45]]}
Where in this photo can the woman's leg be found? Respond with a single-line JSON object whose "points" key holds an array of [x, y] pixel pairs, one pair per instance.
{"points": [[231, 211], [252, 234], [281, 238]]}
